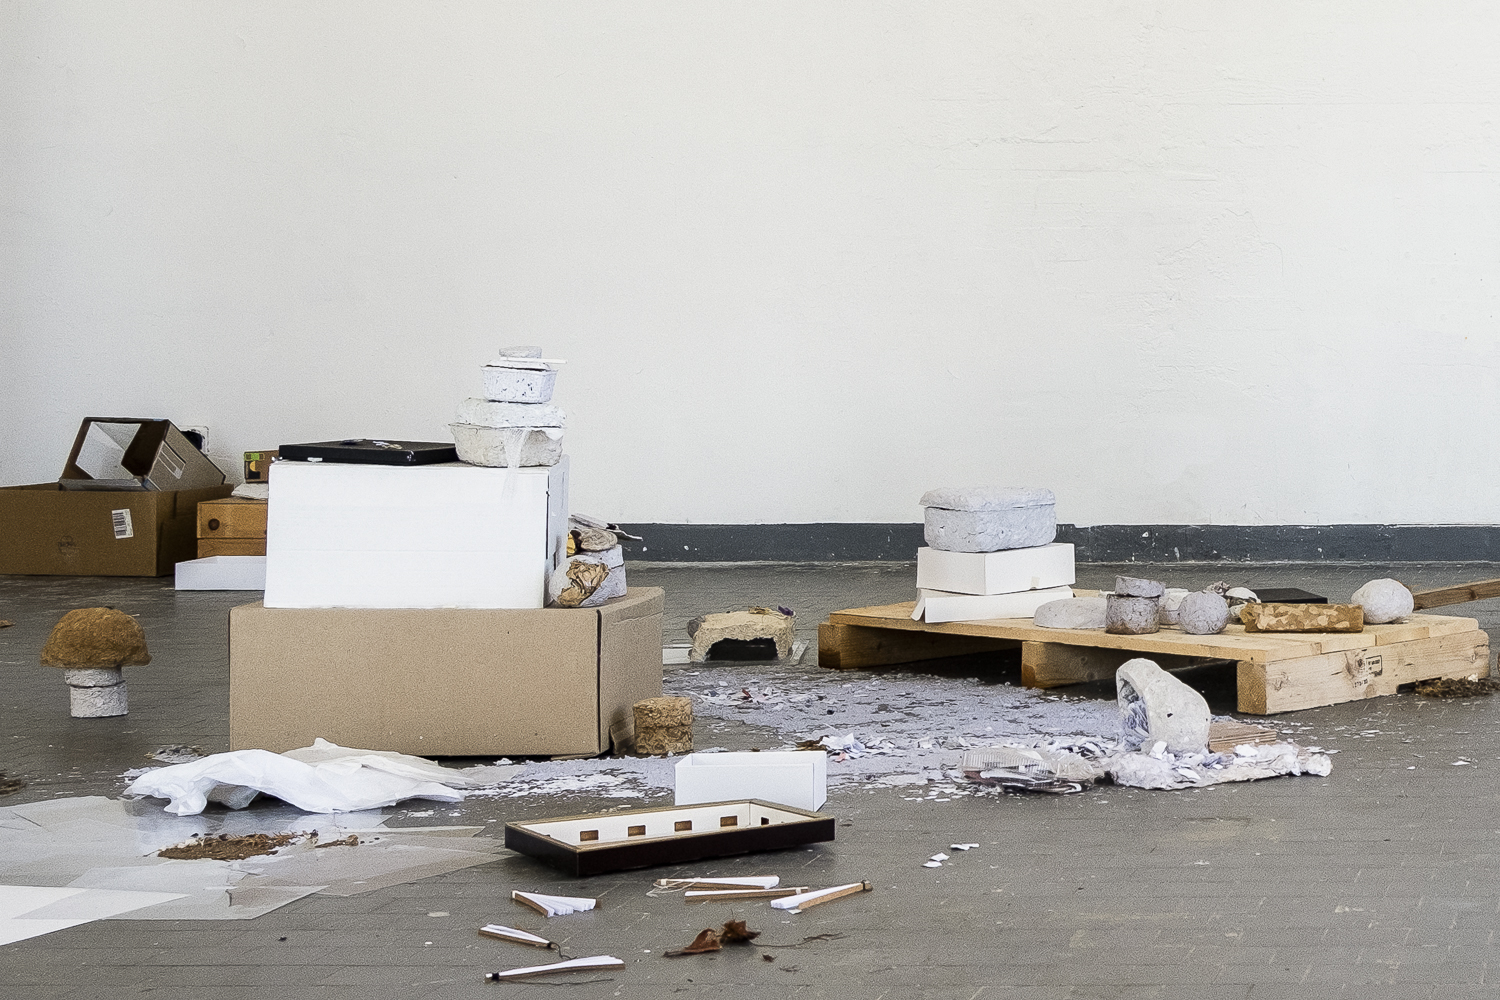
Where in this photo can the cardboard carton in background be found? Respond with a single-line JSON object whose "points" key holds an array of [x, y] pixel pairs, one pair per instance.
{"points": [[445, 681], [45, 529]]}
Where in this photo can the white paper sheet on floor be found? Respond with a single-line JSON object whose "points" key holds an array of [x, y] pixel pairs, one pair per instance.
{"points": [[322, 778]]}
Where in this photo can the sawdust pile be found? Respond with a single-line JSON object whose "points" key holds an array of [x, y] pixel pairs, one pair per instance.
{"points": [[227, 848], [1457, 687]]}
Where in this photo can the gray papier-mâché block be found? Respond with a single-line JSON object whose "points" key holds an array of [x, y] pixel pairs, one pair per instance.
{"points": [[988, 519]]}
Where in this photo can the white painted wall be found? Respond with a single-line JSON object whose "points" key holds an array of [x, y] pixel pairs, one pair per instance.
{"points": [[1181, 262]]}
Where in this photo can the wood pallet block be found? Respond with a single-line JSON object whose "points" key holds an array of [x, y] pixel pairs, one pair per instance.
{"points": [[1277, 672]]}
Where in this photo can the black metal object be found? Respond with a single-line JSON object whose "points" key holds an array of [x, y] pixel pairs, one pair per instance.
{"points": [[611, 856], [372, 451], [1287, 595]]}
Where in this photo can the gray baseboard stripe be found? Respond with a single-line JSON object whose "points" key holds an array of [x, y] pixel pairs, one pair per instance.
{"points": [[1109, 543]]}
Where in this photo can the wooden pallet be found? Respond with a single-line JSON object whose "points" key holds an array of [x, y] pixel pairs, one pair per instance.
{"points": [[1277, 672]]}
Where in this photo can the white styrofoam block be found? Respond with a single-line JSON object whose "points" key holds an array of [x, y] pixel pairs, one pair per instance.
{"points": [[935, 606], [430, 536], [222, 573], [790, 777], [1008, 571]]}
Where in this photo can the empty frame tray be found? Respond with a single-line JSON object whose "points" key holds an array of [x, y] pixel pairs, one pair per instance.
{"points": [[638, 838]]}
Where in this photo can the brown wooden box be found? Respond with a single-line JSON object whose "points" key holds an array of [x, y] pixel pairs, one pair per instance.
{"points": [[233, 526]]}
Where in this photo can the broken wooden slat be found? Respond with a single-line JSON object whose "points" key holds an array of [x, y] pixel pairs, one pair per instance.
{"points": [[818, 897], [571, 965], [709, 895], [1223, 737], [503, 933], [1461, 594], [744, 882], [1303, 618]]}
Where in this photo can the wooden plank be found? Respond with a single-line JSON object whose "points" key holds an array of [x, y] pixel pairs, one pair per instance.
{"points": [[231, 547], [1051, 664], [851, 647], [1350, 675], [1461, 594]]}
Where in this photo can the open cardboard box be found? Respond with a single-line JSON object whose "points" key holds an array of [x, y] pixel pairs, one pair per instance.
{"points": [[444, 681], [132, 453]]}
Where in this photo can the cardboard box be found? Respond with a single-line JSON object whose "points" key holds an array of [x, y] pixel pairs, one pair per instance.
{"points": [[444, 682], [430, 536], [936, 606], [52, 531], [258, 465], [222, 573], [234, 526], [131, 453], [789, 777], [1008, 571]]}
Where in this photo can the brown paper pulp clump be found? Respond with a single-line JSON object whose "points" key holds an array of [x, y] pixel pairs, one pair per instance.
{"points": [[96, 637]]}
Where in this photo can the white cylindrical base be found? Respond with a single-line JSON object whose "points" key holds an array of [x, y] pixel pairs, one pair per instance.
{"points": [[96, 693]]}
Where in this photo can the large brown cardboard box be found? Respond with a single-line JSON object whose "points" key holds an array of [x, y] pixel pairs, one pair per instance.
{"points": [[444, 682], [48, 530]]}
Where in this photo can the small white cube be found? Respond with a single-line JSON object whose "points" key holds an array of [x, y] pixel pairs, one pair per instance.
{"points": [[790, 777]]}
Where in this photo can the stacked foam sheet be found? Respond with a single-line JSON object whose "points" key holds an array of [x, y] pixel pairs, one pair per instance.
{"points": [[990, 554]]}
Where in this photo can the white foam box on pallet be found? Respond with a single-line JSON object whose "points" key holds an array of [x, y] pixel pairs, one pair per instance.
{"points": [[222, 573], [448, 535], [1008, 571], [790, 777], [936, 606]]}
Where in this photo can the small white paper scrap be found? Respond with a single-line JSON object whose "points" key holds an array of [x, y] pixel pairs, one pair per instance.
{"points": [[553, 906], [962, 847], [513, 934], [940, 856], [932, 864]]}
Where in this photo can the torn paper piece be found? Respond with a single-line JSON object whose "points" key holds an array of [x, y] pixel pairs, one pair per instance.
{"points": [[572, 965], [553, 906], [932, 864], [503, 933], [803, 901], [938, 857], [28, 911], [962, 847], [322, 778]]}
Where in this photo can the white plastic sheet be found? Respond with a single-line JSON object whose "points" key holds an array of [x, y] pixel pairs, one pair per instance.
{"points": [[322, 778]]}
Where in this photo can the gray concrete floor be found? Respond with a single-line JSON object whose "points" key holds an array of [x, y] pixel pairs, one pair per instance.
{"points": [[1378, 881]]}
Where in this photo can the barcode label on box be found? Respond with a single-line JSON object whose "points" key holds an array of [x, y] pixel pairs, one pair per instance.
{"points": [[172, 461], [123, 526]]}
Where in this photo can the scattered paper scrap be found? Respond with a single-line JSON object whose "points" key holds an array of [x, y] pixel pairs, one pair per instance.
{"points": [[571, 965], [962, 847], [553, 906], [803, 901], [940, 856], [932, 864], [504, 933]]}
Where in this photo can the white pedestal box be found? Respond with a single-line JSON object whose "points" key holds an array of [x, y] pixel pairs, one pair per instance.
{"points": [[1008, 571], [222, 573], [427, 536], [790, 777], [935, 606]]}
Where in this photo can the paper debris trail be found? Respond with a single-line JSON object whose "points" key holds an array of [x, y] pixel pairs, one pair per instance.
{"points": [[553, 906], [322, 778], [800, 902], [572, 965], [518, 936]]}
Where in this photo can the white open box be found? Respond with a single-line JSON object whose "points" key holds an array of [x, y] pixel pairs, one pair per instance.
{"points": [[1005, 572], [791, 777], [448, 535]]}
